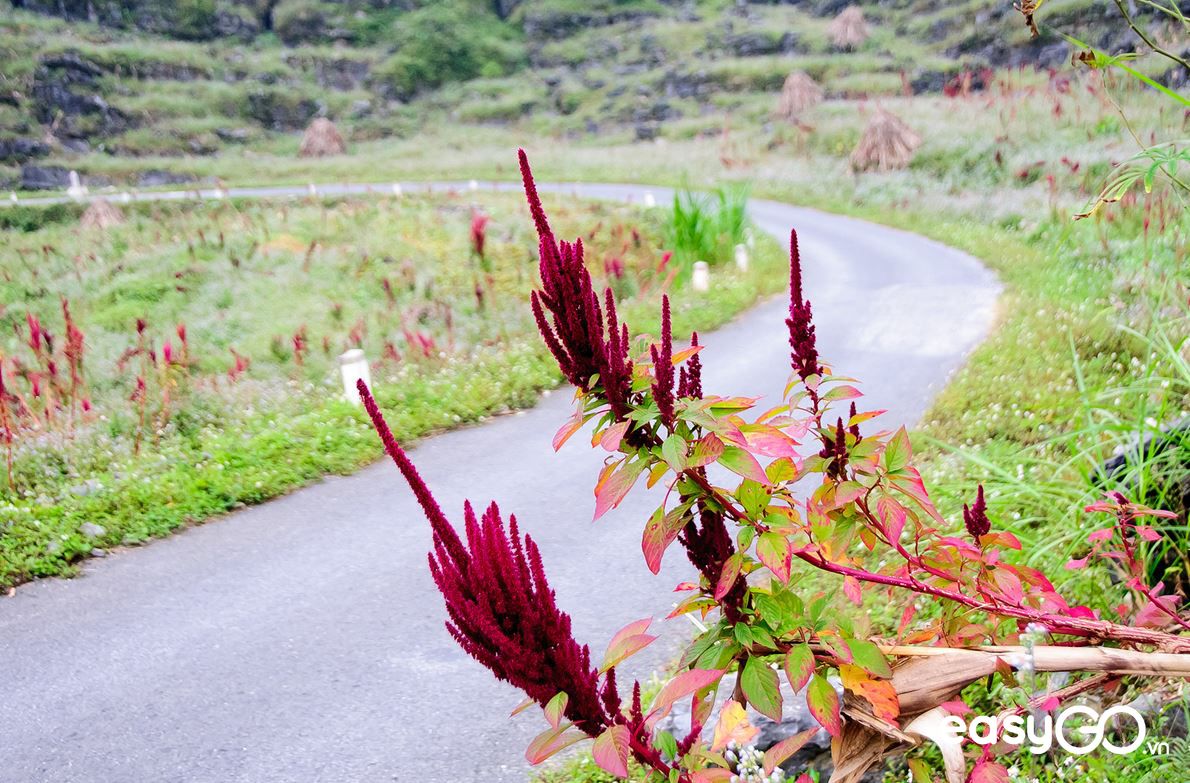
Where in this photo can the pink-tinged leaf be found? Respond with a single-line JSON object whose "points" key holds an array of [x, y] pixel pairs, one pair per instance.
{"points": [[712, 775], [611, 750], [1100, 535], [555, 708], [906, 617], [769, 441], [610, 440], [743, 463], [988, 771], [776, 552], [783, 751], [660, 531], [843, 393], [686, 353], [1085, 612], [897, 452], [879, 693], [1153, 615], [838, 646], [824, 705], [706, 450], [956, 707], [1009, 584], [909, 481], [1000, 538], [761, 686], [859, 418], [683, 685], [526, 704], [893, 516], [615, 481], [733, 725], [629, 640], [1148, 533], [551, 741], [727, 577], [572, 425], [1049, 704], [852, 590], [799, 666], [781, 470], [1076, 563], [731, 404]]}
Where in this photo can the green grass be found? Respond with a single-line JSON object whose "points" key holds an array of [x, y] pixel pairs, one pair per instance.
{"points": [[215, 444]]}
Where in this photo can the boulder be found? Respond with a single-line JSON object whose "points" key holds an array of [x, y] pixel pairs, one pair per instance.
{"points": [[18, 150], [280, 110], [65, 91], [155, 178]]}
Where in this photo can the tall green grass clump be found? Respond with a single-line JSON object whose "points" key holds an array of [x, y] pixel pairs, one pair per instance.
{"points": [[706, 226]]}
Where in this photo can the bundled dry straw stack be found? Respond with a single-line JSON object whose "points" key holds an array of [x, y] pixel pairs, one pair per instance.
{"points": [[101, 214], [799, 94], [888, 143], [849, 29], [321, 140]]}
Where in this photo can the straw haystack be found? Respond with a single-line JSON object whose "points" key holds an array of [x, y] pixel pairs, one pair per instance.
{"points": [[101, 214], [888, 143], [849, 29], [322, 139], [799, 94]]}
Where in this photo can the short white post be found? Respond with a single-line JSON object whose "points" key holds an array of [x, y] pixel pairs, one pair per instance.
{"points": [[125, 197], [650, 199], [741, 257], [76, 190], [397, 189], [701, 280], [473, 185], [354, 367], [13, 197], [313, 191]]}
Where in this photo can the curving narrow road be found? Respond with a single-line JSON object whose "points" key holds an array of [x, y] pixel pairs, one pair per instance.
{"points": [[302, 640]]}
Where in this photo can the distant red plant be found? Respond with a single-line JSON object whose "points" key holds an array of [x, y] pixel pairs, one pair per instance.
{"points": [[479, 233]]}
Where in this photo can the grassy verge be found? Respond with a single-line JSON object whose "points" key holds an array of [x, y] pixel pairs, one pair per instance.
{"points": [[385, 275]]}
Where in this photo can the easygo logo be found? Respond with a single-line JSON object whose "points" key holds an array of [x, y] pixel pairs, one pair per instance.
{"points": [[1040, 734]]}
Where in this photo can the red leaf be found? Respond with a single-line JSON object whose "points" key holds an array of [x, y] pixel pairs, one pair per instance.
{"points": [[684, 684], [781, 752], [611, 750], [727, 577], [1077, 563], [615, 481], [1100, 535], [660, 531], [957, 707], [988, 771], [843, 393], [706, 450], [610, 440], [555, 709], [852, 590], [572, 425], [893, 516]]}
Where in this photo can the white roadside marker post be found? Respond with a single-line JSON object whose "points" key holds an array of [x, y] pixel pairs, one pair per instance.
{"points": [[650, 199], [354, 367], [397, 189], [701, 280], [473, 185], [76, 190], [125, 197], [12, 196], [741, 257], [310, 189]]}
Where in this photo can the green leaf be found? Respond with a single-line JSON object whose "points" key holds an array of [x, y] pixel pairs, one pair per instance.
{"points": [[898, 451], [673, 451], [555, 708], [759, 681], [706, 450], [868, 657], [799, 666], [611, 750], [824, 704], [666, 743], [742, 463]]}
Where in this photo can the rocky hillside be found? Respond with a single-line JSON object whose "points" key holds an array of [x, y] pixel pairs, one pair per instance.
{"points": [[168, 78]]}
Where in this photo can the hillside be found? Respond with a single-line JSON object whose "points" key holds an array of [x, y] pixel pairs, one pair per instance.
{"points": [[139, 79]]}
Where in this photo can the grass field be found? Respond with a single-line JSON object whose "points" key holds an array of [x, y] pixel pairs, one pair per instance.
{"points": [[248, 404]]}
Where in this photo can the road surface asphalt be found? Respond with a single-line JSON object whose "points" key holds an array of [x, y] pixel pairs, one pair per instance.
{"points": [[303, 640]]}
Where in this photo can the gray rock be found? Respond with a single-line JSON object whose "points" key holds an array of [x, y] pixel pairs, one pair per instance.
{"points": [[97, 552], [155, 178], [19, 149], [92, 530], [44, 177]]}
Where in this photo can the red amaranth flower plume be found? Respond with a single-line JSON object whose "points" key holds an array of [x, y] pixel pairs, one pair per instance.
{"points": [[690, 374], [574, 331], [479, 232], [663, 367], [803, 348], [834, 451], [502, 610], [975, 517]]}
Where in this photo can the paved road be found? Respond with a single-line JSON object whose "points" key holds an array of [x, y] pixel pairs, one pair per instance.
{"points": [[302, 640]]}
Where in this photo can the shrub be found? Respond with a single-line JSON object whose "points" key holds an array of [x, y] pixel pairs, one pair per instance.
{"points": [[443, 43], [301, 21]]}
